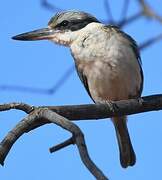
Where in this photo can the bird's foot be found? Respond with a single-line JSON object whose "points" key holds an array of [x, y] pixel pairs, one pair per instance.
{"points": [[140, 100], [110, 104]]}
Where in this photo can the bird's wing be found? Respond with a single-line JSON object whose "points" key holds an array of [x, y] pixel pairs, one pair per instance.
{"points": [[134, 47], [84, 80]]}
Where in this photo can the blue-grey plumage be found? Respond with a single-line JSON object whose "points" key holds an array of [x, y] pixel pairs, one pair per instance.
{"points": [[107, 61]]}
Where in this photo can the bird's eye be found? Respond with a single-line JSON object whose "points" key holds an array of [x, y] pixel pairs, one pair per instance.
{"points": [[64, 23]]}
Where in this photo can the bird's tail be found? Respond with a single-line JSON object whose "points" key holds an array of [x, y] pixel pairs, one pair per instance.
{"points": [[127, 155]]}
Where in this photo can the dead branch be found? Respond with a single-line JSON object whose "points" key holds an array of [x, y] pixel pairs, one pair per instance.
{"points": [[150, 41], [19, 106], [149, 12], [96, 111], [50, 7], [62, 145], [128, 20], [76, 112], [44, 113], [48, 91], [108, 11], [125, 9], [62, 116]]}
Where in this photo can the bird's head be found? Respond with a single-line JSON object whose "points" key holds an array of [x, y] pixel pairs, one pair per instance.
{"points": [[62, 28]]}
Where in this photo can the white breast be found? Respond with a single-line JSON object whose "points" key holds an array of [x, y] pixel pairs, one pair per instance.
{"points": [[108, 62]]}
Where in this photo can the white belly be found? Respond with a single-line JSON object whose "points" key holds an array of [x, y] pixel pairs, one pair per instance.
{"points": [[108, 82]]}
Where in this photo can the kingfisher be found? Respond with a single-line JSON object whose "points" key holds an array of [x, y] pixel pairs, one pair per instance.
{"points": [[107, 61]]}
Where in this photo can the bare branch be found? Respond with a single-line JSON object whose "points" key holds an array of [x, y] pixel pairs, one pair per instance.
{"points": [[108, 11], [146, 11], [44, 113], [53, 114], [20, 106], [150, 42], [61, 81], [79, 140], [50, 7], [130, 19], [24, 89], [124, 9], [49, 91], [101, 111], [62, 145], [149, 12]]}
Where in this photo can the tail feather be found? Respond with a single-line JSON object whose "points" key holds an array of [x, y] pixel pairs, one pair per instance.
{"points": [[127, 154]]}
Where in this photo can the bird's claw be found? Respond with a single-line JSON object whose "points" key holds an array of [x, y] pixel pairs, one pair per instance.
{"points": [[110, 104]]}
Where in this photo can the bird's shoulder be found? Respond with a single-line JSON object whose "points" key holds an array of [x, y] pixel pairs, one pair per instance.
{"points": [[113, 29]]}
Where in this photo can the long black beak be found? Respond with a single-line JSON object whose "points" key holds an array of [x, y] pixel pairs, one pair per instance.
{"points": [[40, 34]]}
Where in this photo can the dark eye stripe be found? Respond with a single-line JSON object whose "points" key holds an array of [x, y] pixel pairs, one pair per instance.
{"points": [[76, 24], [79, 24], [63, 24]]}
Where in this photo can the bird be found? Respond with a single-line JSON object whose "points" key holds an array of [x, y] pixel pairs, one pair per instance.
{"points": [[107, 61]]}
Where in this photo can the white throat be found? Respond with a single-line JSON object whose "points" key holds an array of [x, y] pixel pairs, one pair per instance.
{"points": [[65, 38]]}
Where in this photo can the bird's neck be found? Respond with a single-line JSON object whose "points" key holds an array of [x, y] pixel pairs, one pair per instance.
{"points": [[84, 47]]}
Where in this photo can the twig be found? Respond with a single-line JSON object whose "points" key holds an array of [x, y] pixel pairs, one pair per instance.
{"points": [[62, 145], [49, 6], [108, 11], [24, 89], [130, 19], [146, 11], [149, 12], [150, 42], [49, 91], [79, 141], [124, 10], [62, 79]]}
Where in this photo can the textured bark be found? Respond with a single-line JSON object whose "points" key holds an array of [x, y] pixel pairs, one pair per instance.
{"points": [[58, 115]]}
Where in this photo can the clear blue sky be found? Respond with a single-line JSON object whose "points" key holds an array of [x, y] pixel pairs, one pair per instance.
{"points": [[40, 64]]}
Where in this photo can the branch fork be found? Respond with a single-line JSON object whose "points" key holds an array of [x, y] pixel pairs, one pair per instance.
{"points": [[52, 117], [63, 116]]}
